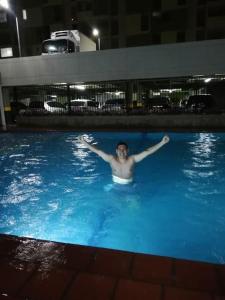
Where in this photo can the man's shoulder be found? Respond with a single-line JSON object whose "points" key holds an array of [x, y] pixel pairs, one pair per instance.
{"points": [[131, 158], [111, 157]]}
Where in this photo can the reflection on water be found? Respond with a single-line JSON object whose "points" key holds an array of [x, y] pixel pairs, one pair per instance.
{"points": [[83, 160], [202, 169]]}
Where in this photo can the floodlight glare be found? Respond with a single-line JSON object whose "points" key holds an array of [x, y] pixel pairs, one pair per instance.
{"points": [[4, 4], [95, 32]]}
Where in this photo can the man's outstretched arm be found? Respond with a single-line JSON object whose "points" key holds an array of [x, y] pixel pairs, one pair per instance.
{"points": [[139, 157], [106, 157]]}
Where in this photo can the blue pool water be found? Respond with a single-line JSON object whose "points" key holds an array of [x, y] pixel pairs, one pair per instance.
{"points": [[52, 187]]}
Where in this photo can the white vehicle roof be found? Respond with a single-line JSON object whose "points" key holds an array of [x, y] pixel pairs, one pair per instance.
{"points": [[70, 34], [82, 100]]}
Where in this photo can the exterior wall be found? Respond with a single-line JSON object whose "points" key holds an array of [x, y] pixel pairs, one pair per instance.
{"points": [[160, 61], [146, 122]]}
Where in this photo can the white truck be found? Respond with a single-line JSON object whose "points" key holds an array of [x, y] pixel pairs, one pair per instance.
{"points": [[67, 41]]}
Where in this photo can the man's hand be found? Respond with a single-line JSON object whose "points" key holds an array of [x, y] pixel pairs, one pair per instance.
{"points": [[165, 139], [81, 139]]}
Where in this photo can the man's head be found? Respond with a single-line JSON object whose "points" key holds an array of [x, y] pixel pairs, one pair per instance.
{"points": [[122, 150]]}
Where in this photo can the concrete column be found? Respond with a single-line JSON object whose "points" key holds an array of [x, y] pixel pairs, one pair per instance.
{"points": [[2, 110], [129, 94]]}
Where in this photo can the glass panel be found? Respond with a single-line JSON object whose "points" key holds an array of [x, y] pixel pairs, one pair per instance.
{"points": [[58, 46]]}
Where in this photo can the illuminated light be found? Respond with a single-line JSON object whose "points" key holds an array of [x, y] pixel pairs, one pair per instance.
{"points": [[80, 87], [6, 52], [4, 4], [207, 80], [52, 48], [95, 32], [170, 90], [24, 12]]}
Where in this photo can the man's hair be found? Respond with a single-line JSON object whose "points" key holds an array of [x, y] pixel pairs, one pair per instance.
{"points": [[121, 143]]}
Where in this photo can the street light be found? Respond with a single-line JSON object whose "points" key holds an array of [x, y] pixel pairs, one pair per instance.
{"points": [[5, 4], [95, 33]]}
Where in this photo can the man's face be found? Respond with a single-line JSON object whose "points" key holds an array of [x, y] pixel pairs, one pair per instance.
{"points": [[122, 151]]}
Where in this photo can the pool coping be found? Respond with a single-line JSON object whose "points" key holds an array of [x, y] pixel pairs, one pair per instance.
{"points": [[15, 128], [42, 270]]}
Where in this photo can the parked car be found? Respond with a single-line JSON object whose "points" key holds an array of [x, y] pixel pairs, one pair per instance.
{"points": [[199, 103], [117, 104], [83, 105], [36, 108], [17, 107], [157, 103], [55, 107]]}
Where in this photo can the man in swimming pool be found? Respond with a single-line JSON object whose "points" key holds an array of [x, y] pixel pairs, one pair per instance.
{"points": [[122, 165]]}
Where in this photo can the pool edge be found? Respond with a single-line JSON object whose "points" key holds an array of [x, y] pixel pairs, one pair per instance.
{"points": [[37, 269]]}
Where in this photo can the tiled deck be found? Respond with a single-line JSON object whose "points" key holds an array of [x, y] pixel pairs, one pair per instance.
{"points": [[41, 270]]}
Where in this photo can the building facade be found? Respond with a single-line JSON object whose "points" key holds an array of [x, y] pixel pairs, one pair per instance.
{"points": [[121, 23]]}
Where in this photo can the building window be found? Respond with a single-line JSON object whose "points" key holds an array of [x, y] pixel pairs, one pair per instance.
{"points": [[180, 37], [167, 16], [201, 2], [6, 52], [181, 2], [100, 7], [3, 17], [217, 11], [52, 14], [114, 43], [200, 35], [114, 27], [157, 5], [156, 38], [84, 6], [144, 22], [114, 7], [201, 18]]}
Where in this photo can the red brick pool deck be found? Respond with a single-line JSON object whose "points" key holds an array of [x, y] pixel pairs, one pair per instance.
{"points": [[41, 270]]}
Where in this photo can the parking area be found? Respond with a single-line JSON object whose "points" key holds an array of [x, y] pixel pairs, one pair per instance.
{"points": [[161, 96]]}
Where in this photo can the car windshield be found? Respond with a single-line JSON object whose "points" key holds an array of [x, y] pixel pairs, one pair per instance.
{"points": [[58, 46], [55, 104], [91, 103], [77, 103]]}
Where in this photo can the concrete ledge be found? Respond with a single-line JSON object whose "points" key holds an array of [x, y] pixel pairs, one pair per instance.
{"points": [[127, 122]]}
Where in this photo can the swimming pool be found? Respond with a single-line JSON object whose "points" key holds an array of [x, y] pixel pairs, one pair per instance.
{"points": [[52, 187]]}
